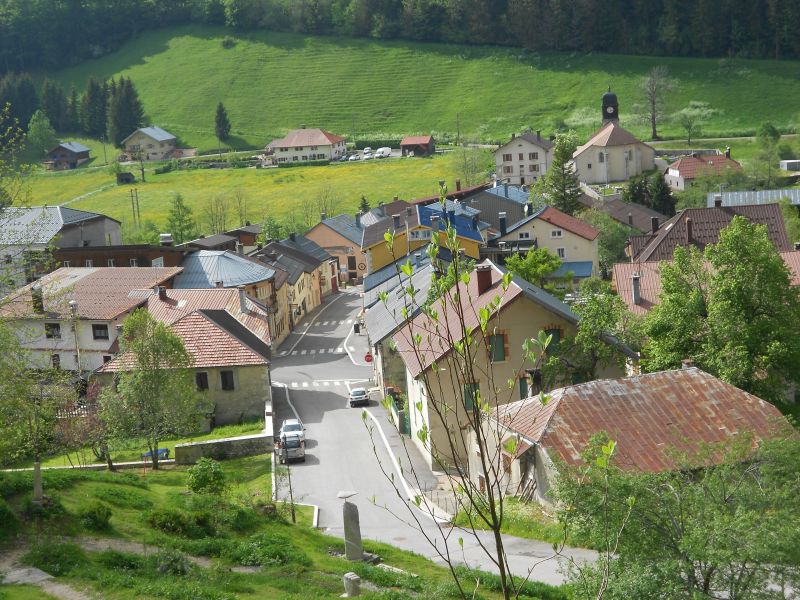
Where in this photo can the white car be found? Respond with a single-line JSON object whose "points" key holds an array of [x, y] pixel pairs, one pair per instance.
{"points": [[367, 156], [355, 157], [367, 150], [358, 396], [292, 427], [384, 152]]}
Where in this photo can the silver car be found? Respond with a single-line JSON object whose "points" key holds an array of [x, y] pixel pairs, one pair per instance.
{"points": [[291, 447], [293, 427], [358, 396]]}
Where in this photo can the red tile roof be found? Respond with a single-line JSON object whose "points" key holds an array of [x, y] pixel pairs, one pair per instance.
{"points": [[209, 345], [650, 280], [415, 140], [689, 167], [624, 212], [650, 417], [102, 293], [570, 223], [306, 137], [180, 303], [706, 225]]}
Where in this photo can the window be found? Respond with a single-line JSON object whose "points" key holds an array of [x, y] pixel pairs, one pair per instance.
{"points": [[100, 331], [472, 394], [523, 387], [157, 262], [589, 166], [600, 158], [305, 157], [56, 360], [351, 263], [134, 262], [524, 235], [65, 263], [498, 347], [52, 331], [521, 155], [226, 377], [507, 158], [533, 156], [295, 159], [106, 358], [201, 379], [556, 233], [110, 262], [533, 168], [89, 262], [562, 253], [508, 169], [421, 234], [556, 333]]}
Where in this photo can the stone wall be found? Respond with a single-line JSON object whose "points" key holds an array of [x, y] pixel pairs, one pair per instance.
{"points": [[247, 445]]}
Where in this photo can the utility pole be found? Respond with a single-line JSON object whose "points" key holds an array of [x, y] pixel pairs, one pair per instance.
{"points": [[291, 496], [138, 210], [133, 207], [105, 158], [458, 129]]}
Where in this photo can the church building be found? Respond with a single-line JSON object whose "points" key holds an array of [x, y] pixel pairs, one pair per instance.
{"points": [[613, 153]]}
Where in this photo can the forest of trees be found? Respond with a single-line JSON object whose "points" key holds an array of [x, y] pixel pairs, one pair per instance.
{"points": [[47, 34]]}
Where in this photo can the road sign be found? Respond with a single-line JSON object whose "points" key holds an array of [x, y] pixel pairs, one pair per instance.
{"points": [[368, 357]]}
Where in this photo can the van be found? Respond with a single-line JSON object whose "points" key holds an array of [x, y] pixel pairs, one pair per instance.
{"points": [[384, 152], [291, 447]]}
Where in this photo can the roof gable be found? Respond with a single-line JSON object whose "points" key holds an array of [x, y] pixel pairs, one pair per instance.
{"points": [[306, 137], [153, 132], [610, 134], [345, 226], [533, 138]]}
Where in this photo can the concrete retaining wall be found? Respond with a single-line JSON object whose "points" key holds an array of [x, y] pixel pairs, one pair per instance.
{"points": [[247, 445]]}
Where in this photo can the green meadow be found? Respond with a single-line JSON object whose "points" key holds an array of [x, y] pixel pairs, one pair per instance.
{"points": [[274, 82]]}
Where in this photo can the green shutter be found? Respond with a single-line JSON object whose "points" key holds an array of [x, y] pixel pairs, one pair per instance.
{"points": [[556, 333], [523, 388], [497, 348], [471, 393]]}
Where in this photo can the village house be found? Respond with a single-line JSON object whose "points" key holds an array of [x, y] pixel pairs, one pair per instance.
{"points": [[217, 241], [340, 236], [29, 235], [125, 255], [432, 365], [67, 155], [572, 240], [680, 175], [246, 235], [654, 419], [512, 200], [230, 365], [303, 145], [635, 216], [150, 143], [523, 159], [613, 153], [70, 319], [417, 145], [700, 227]]}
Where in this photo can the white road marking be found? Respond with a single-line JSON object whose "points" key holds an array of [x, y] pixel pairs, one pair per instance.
{"points": [[303, 351], [295, 384], [305, 384], [337, 383], [294, 353], [326, 383], [339, 350], [308, 325], [314, 351], [315, 383]]}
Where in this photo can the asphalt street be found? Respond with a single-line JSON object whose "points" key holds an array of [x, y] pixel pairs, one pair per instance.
{"points": [[312, 372]]}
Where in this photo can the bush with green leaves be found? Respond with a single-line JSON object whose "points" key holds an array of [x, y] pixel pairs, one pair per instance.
{"points": [[96, 516], [265, 549], [206, 477], [50, 508], [56, 559], [179, 522], [171, 562], [120, 561]]}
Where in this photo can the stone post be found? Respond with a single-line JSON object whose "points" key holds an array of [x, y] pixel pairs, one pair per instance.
{"points": [[353, 549], [38, 493], [352, 585]]}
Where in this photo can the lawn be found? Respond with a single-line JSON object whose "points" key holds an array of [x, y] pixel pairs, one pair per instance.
{"points": [[241, 527], [275, 192], [97, 156], [365, 89]]}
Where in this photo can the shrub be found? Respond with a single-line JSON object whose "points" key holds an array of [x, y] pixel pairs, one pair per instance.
{"points": [[179, 522], [206, 477], [228, 42], [96, 517], [121, 561], [9, 524], [267, 549], [122, 497], [171, 562], [50, 508], [56, 559]]}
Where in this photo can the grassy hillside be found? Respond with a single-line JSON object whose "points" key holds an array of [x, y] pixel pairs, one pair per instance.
{"points": [[275, 192], [272, 82]]}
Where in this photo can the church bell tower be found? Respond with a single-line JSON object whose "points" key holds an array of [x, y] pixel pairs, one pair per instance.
{"points": [[610, 107]]}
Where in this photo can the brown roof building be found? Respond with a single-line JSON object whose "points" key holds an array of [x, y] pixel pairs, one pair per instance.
{"points": [[633, 215], [701, 227], [653, 419], [682, 173], [417, 145], [128, 255]]}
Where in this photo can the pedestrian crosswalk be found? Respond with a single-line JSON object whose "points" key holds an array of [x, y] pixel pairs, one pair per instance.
{"points": [[333, 323], [325, 383], [337, 350]]}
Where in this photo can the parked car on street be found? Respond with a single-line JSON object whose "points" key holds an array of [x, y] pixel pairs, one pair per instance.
{"points": [[355, 157], [291, 447], [294, 427], [367, 156], [358, 396], [384, 152], [367, 150]]}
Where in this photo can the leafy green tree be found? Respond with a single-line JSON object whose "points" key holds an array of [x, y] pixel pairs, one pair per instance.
{"points": [[222, 125], [693, 117], [733, 310], [12, 174], [155, 396], [181, 224], [271, 229], [768, 139], [637, 191], [537, 267], [19, 91], [791, 219], [41, 135], [73, 120], [560, 184], [661, 198], [363, 207], [612, 240]]}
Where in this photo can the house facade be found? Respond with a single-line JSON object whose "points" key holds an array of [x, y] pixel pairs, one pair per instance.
{"points": [[150, 143], [680, 175], [67, 155], [129, 255], [523, 159], [340, 236], [304, 145]]}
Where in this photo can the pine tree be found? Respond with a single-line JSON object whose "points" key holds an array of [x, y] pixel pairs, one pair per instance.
{"points": [[180, 222], [661, 198], [54, 104], [364, 206], [560, 184], [125, 113], [222, 125], [73, 111], [93, 110]]}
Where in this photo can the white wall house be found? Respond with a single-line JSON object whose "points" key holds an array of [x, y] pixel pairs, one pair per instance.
{"points": [[303, 145], [150, 143], [523, 159]]}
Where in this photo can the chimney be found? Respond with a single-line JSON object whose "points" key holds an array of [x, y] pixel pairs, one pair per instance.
{"points": [[242, 300], [396, 221], [161, 292], [727, 151], [458, 185], [483, 275], [323, 216], [292, 236], [394, 199], [718, 200], [630, 219], [637, 289], [165, 239], [239, 248], [505, 190], [538, 134], [417, 258], [687, 363], [503, 223], [474, 222], [653, 224], [529, 208], [218, 284], [37, 299], [358, 220], [408, 211], [688, 231]]}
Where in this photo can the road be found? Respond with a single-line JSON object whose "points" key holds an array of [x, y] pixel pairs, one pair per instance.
{"points": [[318, 364]]}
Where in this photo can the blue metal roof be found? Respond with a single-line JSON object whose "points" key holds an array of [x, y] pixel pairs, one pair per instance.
{"points": [[384, 319], [74, 146], [579, 268], [158, 134], [754, 197], [345, 225], [204, 268], [511, 192], [463, 224]]}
